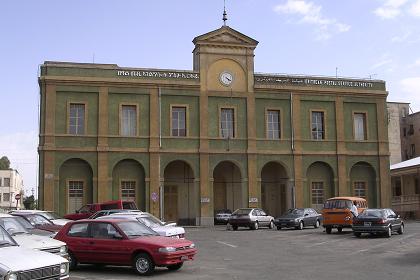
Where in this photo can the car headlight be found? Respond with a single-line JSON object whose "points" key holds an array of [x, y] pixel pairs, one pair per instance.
{"points": [[347, 218], [11, 276], [64, 269], [297, 220], [63, 249], [192, 246], [167, 249]]}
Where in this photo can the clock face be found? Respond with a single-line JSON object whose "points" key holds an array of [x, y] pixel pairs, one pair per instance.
{"points": [[226, 78]]}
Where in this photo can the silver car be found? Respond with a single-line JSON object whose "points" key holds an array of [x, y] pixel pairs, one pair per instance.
{"points": [[254, 218]]}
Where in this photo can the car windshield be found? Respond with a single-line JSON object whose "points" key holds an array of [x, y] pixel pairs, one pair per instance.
{"points": [[49, 215], [12, 225], [5, 239], [295, 211], [373, 213], [38, 220], [134, 229], [242, 212], [338, 204], [148, 221], [24, 223]]}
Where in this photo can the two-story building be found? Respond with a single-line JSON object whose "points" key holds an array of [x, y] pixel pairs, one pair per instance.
{"points": [[184, 144], [11, 184]]}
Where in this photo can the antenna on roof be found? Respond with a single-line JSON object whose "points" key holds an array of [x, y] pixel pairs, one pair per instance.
{"points": [[224, 13]]}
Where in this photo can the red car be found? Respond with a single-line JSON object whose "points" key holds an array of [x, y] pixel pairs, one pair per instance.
{"points": [[123, 242], [89, 209]]}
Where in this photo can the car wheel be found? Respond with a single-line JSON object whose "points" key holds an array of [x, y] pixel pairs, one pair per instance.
{"points": [[388, 232], [175, 266], [317, 223], [144, 264], [357, 234], [401, 230], [72, 261], [300, 226], [255, 226], [271, 225], [235, 227], [340, 229], [328, 230], [278, 227]]}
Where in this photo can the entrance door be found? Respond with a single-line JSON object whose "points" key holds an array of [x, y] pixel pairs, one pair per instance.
{"points": [[75, 196], [171, 203]]}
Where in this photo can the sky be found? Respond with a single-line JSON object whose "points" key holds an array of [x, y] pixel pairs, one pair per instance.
{"points": [[371, 39]]}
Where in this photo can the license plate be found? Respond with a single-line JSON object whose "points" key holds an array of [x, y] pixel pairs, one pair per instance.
{"points": [[367, 224], [184, 258]]}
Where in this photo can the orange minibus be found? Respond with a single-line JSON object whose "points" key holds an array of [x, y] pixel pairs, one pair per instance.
{"points": [[337, 212]]}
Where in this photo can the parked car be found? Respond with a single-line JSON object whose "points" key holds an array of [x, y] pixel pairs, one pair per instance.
{"points": [[337, 212], [25, 239], [50, 215], [17, 262], [39, 222], [111, 211], [378, 221], [299, 218], [123, 242], [253, 218], [89, 209], [31, 229], [222, 216], [150, 221]]}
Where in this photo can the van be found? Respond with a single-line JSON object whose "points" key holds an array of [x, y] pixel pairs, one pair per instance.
{"points": [[87, 210], [337, 214]]}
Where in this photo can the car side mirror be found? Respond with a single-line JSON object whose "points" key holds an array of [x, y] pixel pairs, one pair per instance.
{"points": [[306, 214], [117, 235]]}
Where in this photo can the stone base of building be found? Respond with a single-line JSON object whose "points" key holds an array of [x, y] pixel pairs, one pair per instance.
{"points": [[207, 221]]}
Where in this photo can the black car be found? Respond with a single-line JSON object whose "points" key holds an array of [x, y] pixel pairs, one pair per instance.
{"points": [[298, 218], [222, 216], [377, 221]]}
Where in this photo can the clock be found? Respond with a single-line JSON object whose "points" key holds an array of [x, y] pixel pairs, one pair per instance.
{"points": [[226, 78]]}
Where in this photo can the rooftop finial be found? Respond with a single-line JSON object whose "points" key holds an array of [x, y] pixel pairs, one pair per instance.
{"points": [[224, 13]]}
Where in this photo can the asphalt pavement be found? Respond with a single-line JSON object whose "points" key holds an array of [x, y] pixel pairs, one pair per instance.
{"points": [[287, 254]]}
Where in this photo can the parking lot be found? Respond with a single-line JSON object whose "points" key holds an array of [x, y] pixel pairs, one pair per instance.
{"points": [[287, 254]]}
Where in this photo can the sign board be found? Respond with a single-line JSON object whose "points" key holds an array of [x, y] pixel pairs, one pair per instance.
{"points": [[205, 200], [17, 196], [253, 199], [154, 196]]}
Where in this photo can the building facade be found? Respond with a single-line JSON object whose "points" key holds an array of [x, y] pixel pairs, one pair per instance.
{"points": [[11, 184], [397, 113], [410, 136], [184, 144]]}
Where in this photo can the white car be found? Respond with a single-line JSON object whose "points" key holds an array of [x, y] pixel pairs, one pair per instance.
{"points": [[53, 217], [163, 229], [21, 263], [25, 239]]}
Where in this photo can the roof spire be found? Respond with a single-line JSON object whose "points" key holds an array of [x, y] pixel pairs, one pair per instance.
{"points": [[224, 13]]}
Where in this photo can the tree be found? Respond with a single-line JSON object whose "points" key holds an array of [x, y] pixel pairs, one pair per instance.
{"points": [[4, 163]]}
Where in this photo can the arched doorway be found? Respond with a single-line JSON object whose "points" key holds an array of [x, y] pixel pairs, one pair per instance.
{"points": [[320, 184], [180, 194], [274, 189], [76, 185], [227, 187], [128, 182], [363, 182]]}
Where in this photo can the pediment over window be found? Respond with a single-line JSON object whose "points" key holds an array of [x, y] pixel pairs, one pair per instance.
{"points": [[225, 36]]}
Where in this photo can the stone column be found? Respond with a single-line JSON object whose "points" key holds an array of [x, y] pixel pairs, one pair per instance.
{"points": [[154, 155], [49, 143], [103, 187], [341, 188], [297, 163]]}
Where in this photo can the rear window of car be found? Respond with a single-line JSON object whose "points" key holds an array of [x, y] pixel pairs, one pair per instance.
{"points": [[78, 230], [242, 212], [373, 213], [338, 204]]}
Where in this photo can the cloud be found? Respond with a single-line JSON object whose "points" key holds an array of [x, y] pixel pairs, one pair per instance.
{"points": [[410, 88], [401, 38], [382, 63], [21, 149], [392, 9], [311, 14], [415, 9]]}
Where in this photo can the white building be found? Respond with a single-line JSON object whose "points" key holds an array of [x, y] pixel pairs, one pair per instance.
{"points": [[11, 183]]}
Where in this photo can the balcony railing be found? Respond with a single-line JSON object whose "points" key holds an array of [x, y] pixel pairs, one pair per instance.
{"points": [[403, 203]]}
